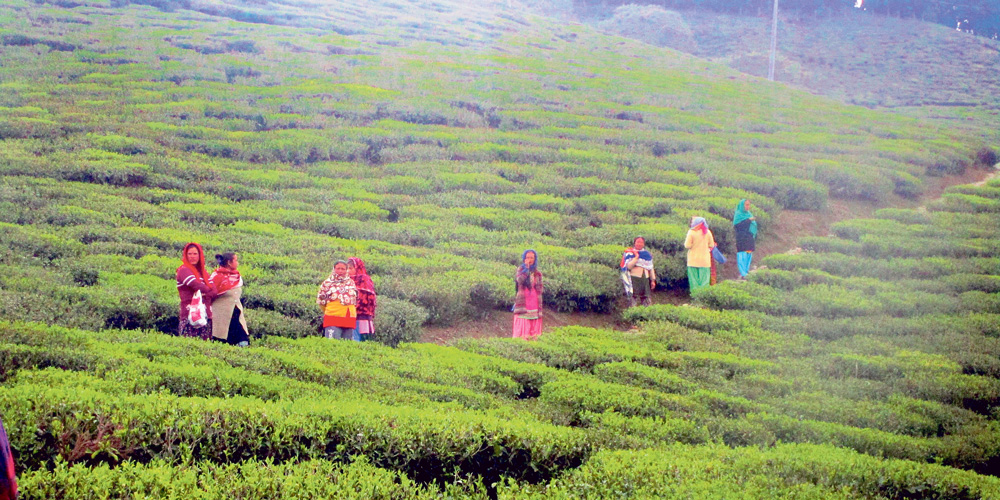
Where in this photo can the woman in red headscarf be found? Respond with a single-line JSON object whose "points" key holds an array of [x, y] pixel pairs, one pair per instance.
{"points": [[366, 299], [191, 278]]}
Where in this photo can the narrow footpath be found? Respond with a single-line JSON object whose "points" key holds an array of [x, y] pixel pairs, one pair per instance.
{"points": [[791, 225]]}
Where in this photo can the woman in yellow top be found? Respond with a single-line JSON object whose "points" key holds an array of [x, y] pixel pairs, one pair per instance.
{"points": [[699, 242], [338, 296]]}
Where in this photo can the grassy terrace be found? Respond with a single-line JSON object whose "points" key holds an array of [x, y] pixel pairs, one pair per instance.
{"points": [[296, 134]]}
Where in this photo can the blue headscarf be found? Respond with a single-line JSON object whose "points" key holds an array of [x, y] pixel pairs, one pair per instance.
{"points": [[533, 268], [743, 214]]}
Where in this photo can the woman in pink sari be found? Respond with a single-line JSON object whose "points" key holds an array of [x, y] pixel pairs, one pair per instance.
{"points": [[528, 302]]}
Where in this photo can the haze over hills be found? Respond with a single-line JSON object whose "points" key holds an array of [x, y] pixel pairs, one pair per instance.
{"points": [[854, 57]]}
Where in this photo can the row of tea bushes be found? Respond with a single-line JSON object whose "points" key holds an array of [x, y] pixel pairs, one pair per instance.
{"points": [[889, 324], [961, 294], [248, 479], [821, 398], [788, 470], [645, 387], [182, 430]]}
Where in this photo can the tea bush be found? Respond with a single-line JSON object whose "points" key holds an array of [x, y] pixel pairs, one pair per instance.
{"points": [[729, 295], [439, 167], [816, 471], [209, 480], [398, 321]]}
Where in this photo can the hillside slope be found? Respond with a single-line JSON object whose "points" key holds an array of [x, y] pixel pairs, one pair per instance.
{"points": [[300, 132], [866, 367], [856, 57], [128, 131]]}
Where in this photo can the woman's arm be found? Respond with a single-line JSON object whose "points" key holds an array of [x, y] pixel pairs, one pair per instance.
{"points": [[188, 279], [629, 264], [522, 280]]}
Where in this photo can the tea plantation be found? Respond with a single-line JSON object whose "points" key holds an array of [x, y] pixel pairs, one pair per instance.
{"points": [[437, 140]]}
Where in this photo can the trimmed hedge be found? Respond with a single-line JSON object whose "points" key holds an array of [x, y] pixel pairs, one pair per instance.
{"points": [[214, 481], [787, 470], [45, 424]]}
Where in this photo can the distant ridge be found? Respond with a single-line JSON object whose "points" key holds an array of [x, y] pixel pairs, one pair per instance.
{"points": [[862, 59]]}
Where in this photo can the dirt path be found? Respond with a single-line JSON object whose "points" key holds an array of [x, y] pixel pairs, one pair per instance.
{"points": [[790, 226]]}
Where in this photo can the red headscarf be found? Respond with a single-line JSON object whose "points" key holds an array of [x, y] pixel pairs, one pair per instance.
{"points": [[361, 278], [198, 270], [366, 289]]}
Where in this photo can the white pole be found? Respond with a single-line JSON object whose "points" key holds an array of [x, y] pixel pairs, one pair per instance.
{"points": [[774, 42]]}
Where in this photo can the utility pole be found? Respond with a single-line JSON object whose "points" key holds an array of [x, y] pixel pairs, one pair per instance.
{"points": [[774, 42]]}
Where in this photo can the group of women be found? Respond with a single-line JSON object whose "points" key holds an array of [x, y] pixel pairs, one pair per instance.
{"points": [[348, 298], [700, 242], [636, 267], [348, 301], [220, 293]]}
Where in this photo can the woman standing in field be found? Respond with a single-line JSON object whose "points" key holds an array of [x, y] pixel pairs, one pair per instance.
{"points": [[745, 227], [699, 242], [637, 267], [338, 296], [528, 302], [366, 299], [229, 323], [192, 278]]}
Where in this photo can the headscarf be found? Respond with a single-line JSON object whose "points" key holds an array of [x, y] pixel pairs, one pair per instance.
{"points": [[337, 288], [364, 283], [198, 270], [699, 221], [534, 266], [743, 214], [524, 274]]}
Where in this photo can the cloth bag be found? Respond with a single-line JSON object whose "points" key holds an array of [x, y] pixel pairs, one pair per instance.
{"points": [[196, 311], [717, 255]]}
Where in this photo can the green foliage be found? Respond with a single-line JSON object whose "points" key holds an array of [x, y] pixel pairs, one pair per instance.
{"points": [[439, 163], [708, 320], [398, 321], [729, 295], [813, 471], [209, 480]]}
